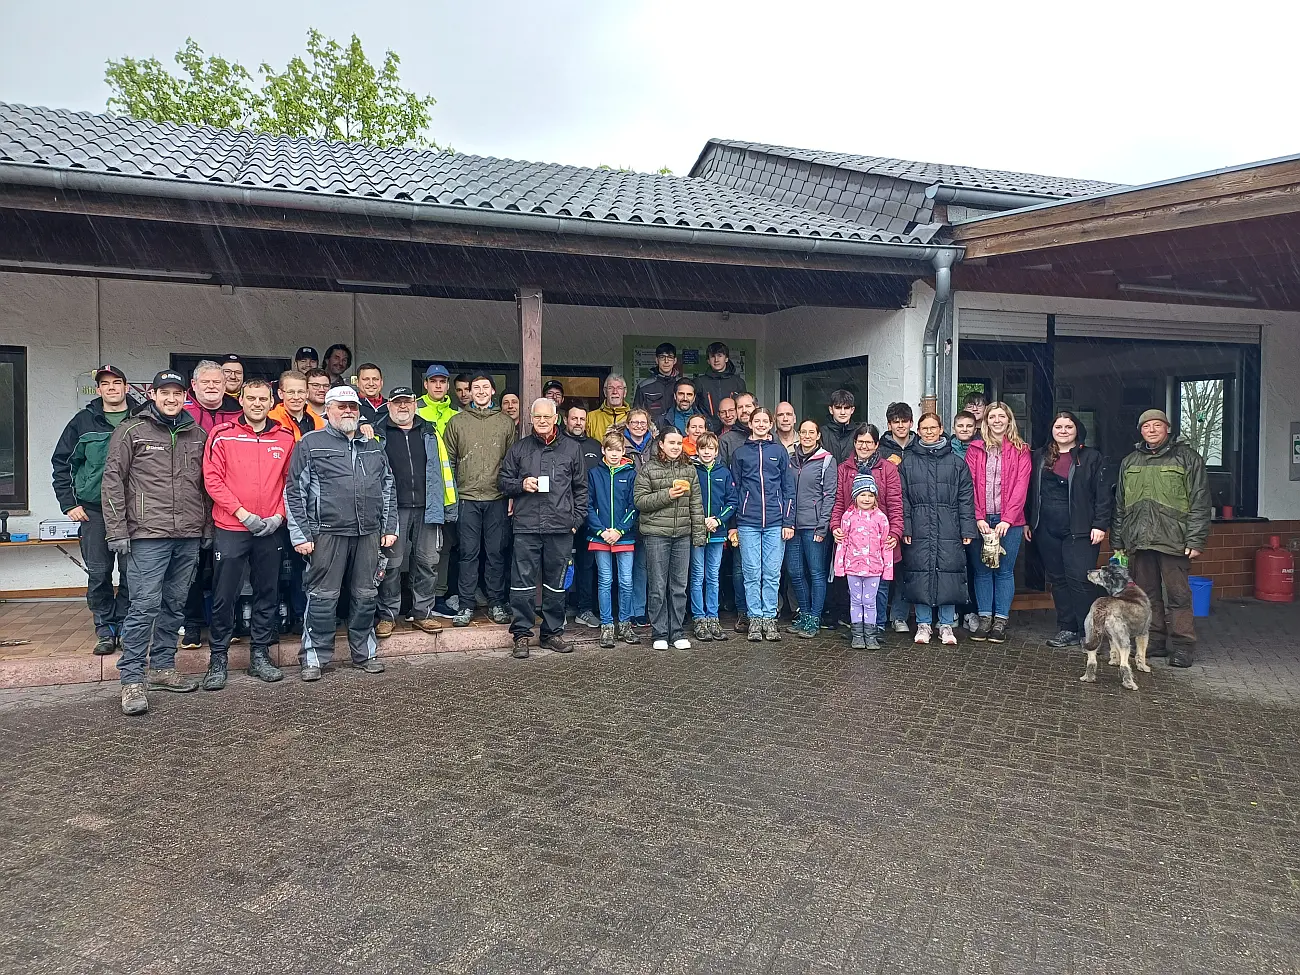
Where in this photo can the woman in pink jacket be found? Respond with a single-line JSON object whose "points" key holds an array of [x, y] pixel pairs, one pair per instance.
{"points": [[999, 467]]}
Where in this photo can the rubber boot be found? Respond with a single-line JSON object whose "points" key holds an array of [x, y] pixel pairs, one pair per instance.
{"points": [[859, 637], [260, 666]]}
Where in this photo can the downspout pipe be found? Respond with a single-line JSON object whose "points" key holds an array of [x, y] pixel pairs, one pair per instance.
{"points": [[983, 199], [943, 263]]}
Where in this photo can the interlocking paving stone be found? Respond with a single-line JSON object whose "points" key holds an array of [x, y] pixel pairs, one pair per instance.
{"points": [[790, 808]]}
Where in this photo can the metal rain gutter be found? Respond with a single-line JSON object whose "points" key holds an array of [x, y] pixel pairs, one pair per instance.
{"points": [[983, 199], [28, 174], [942, 306]]}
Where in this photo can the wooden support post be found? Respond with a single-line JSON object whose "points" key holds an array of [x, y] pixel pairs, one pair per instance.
{"points": [[529, 302]]}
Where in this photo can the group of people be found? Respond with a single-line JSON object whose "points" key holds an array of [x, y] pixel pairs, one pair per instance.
{"points": [[454, 499]]}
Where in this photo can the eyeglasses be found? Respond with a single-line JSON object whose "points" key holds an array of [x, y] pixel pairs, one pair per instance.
{"points": [[543, 416], [318, 385]]}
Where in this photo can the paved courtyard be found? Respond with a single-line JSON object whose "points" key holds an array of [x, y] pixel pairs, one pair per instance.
{"points": [[782, 808]]}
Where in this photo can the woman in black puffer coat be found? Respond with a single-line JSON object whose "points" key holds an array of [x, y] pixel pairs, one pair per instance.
{"points": [[938, 522]]}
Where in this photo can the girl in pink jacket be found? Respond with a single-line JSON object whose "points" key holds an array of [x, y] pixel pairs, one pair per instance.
{"points": [[865, 558]]}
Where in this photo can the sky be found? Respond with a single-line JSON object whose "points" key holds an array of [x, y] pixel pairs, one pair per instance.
{"points": [[1127, 92]]}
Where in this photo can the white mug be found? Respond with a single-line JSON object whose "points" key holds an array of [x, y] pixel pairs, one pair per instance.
{"points": [[543, 484]]}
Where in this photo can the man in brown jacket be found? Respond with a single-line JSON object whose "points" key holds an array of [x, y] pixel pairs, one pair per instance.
{"points": [[157, 514]]}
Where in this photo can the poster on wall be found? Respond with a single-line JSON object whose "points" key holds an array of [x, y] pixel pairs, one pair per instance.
{"points": [[639, 356]]}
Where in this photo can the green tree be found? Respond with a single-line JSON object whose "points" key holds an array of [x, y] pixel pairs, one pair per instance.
{"points": [[335, 93]]}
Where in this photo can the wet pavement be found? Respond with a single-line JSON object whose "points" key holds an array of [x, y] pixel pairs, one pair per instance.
{"points": [[784, 808]]}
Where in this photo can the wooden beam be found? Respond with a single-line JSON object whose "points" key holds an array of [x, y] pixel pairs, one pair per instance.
{"points": [[529, 303]]}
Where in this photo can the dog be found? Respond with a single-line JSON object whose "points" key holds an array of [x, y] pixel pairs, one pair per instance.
{"points": [[1123, 614]]}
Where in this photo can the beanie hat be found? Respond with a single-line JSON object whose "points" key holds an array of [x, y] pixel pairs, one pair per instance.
{"points": [[864, 482], [1154, 415]]}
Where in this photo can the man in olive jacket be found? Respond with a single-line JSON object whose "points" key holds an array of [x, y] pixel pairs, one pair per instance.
{"points": [[1162, 521], [157, 514], [545, 475]]}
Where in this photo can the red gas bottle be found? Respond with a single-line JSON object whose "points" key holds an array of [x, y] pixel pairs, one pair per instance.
{"points": [[1274, 573]]}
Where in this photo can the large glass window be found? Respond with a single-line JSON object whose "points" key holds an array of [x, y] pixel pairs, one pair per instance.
{"points": [[13, 428], [1202, 415], [808, 388]]}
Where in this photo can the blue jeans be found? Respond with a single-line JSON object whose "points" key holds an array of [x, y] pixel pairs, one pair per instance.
{"points": [[606, 564], [762, 552], [947, 614], [805, 560], [738, 583], [995, 588], [159, 572], [638, 582], [706, 560]]}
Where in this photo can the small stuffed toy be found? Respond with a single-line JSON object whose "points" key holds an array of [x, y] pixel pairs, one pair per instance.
{"points": [[993, 550]]}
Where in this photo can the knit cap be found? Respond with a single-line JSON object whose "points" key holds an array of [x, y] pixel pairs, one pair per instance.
{"points": [[864, 482]]}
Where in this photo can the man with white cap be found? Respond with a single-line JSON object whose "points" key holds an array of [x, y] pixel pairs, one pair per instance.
{"points": [[342, 509]]}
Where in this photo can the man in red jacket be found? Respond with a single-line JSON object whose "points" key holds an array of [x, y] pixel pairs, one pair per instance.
{"points": [[244, 466]]}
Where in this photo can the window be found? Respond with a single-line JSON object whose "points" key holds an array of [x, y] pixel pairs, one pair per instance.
{"points": [[1201, 416], [13, 427], [808, 388]]}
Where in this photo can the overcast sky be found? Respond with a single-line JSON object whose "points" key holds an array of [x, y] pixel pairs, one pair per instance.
{"points": [[1129, 92]]}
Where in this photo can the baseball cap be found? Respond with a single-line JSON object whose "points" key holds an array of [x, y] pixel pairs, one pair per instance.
{"points": [[110, 370], [401, 392], [231, 357], [168, 377], [306, 352], [436, 370], [342, 394], [553, 384]]}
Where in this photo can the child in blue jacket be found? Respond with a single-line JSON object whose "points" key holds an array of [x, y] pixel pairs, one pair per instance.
{"points": [[611, 536], [718, 496]]}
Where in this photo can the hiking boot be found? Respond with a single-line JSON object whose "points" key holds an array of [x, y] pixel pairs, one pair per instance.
{"points": [[1065, 638], [134, 699], [900, 626], [770, 631], [104, 646], [742, 623], [215, 678], [998, 633], [607, 636], [982, 631], [463, 617], [498, 614], [520, 649], [715, 629], [555, 643], [755, 631], [1180, 655], [702, 630], [972, 621], [191, 641], [947, 637], [627, 633], [587, 618], [171, 680], [309, 673], [429, 624], [797, 623], [260, 666], [371, 665], [384, 629], [859, 641], [922, 633], [809, 629]]}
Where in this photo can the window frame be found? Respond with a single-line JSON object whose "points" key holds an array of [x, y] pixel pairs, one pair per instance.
{"points": [[20, 501]]}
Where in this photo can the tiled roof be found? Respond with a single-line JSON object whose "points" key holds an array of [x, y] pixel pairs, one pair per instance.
{"points": [[1048, 187], [105, 144]]}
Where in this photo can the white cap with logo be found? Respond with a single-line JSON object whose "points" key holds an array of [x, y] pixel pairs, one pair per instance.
{"points": [[342, 394]]}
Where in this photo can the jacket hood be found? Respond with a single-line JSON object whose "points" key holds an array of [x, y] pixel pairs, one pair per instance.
{"points": [[1168, 444], [178, 422], [838, 427], [485, 411], [933, 449]]}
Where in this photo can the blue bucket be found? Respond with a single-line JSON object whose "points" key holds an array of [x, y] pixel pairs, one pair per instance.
{"points": [[1202, 587]]}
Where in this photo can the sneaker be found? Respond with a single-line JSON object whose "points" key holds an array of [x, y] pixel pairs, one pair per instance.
{"points": [[499, 614], [555, 643], [659, 645], [972, 621], [444, 608], [134, 699], [371, 665], [607, 636], [922, 633], [755, 631], [742, 623], [520, 649], [682, 644], [702, 630], [998, 633], [428, 624], [770, 631], [588, 618], [171, 680], [982, 631], [215, 678], [947, 637], [627, 633], [191, 641], [463, 617], [715, 629], [104, 646], [641, 621], [309, 674], [384, 629], [1065, 638], [900, 626]]}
